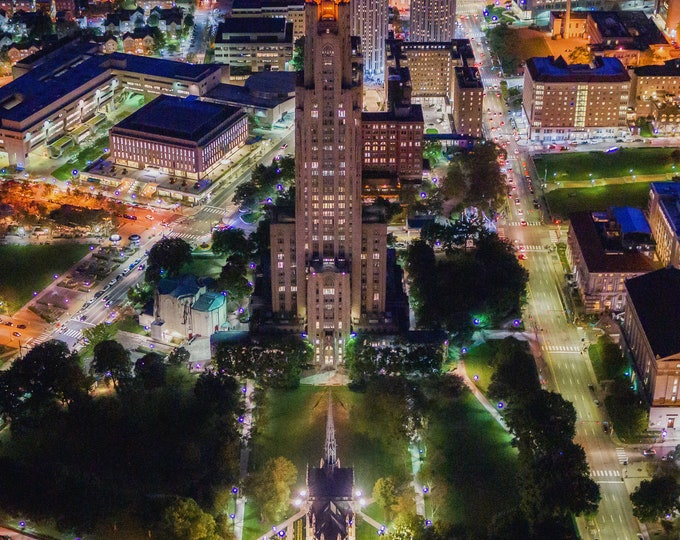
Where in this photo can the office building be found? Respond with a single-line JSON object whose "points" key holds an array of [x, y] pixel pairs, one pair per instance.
{"points": [[251, 44], [182, 137], [468, 101], [328, 265], [432, 20], [369, 22], [650, 326], [654, 86], [664, 219], [292, 11], [575, 101], [393, 142], [604, 249]]}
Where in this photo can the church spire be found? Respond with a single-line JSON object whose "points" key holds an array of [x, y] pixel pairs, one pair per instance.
{"points": [[330, 456]]}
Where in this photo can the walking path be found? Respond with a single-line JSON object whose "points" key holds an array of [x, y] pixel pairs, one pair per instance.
{"points": [[493, 411], [246, 422]]}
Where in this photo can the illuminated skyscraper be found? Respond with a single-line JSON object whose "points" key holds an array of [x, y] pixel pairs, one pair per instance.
{"points": [[432, 20], [369, 22], [328, 265]]}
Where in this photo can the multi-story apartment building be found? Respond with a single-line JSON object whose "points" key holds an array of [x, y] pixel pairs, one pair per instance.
{"points": [[393, 142], [431, 65], [664, 219], [369, 22], [650, 326], [604, 249], [183, 137], [292, 11], [654, 85], [575, 101], [432, 20], [468, 101], [328, 266], [254, 44]]}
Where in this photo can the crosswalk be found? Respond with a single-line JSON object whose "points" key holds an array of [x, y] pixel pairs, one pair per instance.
{"points": [[529, 223], [534, 248], [183, 236], [213, 210], [553, 237], [74, 333], [622, 456], [606, 473], [564, 349]]}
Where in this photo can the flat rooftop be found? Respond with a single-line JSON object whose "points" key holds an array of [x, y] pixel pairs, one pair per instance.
{"points": [[252, 25], [414, 114], [187, 119], [669, 201], [655, 298], [602, 69], [260, 4], [601, 258], [468, 77], [65, 72], [670, 68]]}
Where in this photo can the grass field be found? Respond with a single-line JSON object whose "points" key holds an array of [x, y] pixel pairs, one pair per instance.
{"points": [[25, 269], [566, 200], [580, 165], [477, 362], [79, 162], [294, 426], [480, 464]]}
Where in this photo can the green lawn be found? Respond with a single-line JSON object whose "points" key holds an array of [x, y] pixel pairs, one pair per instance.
{"points": [[79, 161], [564, 201], [580, 165], [204, 266], [477, 362], [480, 464], [295, 427], [26, 269]]}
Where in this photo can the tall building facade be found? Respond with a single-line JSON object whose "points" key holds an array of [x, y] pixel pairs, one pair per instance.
{"points": [[369, 22], [328, 266], [433, 20]]}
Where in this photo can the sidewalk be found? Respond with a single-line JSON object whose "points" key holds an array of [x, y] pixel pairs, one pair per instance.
{"points": [[246, 422], [493, 411]]}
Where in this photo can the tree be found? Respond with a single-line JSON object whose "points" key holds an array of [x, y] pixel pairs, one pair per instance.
{"points": [[654, 499], [97, 334], [505, 44], [167, 256], [232, 244], [270, 488], [184, 520], [178, 356], [432, 151], [385, 494], [514, 374], [298, 61], [580, 55], [150, 371], [233, 280], [187, 24], [112, 361]]}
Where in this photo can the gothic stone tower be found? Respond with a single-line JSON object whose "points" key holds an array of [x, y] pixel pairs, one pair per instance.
{"points": [[328, 266]]}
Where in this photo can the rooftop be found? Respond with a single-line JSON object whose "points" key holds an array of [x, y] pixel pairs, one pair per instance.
{"points": [[179, 118], [603, 254], [602, 69], [633, 26], [468, 77], [259, 4], [209, 301], [670, 68], [252, 25], [655, 299], [669, 202], [413, 114]]}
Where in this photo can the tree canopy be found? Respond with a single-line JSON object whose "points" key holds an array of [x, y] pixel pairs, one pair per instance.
{"points": [[166, 258], [656, 498]]}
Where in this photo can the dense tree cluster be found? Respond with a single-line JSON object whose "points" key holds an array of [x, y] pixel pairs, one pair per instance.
{"points": [[166, 259], [270, 488], [266, 183], [555, 475], [366, 360], [275, 363], [238, 251], [474, 178], [504, 42], [656, 498], [450, 292], [162, 434]]}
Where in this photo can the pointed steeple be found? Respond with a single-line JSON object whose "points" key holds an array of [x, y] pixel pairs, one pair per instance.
{"points": [[330, 456]]}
